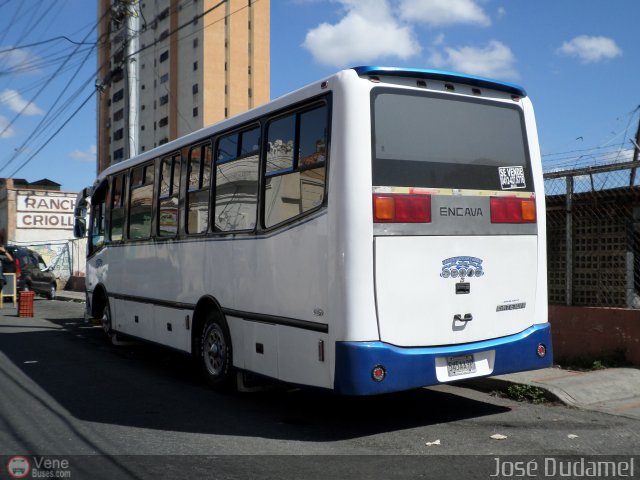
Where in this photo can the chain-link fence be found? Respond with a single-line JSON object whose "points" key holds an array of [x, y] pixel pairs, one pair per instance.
{"points": [[593, 236]]}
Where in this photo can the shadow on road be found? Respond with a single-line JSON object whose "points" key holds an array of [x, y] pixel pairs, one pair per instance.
{"points": [[150, 387]]}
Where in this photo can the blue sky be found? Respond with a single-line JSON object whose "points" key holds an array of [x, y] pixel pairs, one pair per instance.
{"points": [[578, 60]]}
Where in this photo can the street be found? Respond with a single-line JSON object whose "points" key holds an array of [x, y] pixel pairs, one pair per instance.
{"points": [[66, 391]]}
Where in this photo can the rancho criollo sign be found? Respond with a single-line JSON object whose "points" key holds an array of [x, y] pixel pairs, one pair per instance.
{"points": [[48, 211]]}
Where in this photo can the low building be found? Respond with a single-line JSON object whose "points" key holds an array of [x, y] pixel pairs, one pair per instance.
{"points": [[39, 215]]}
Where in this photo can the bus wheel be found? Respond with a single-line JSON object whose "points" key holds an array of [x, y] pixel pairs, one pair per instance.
{"points": [[106, 320], [215, 353]]}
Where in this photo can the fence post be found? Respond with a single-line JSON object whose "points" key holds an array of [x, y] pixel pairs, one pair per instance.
{"points": [[569, 242]]}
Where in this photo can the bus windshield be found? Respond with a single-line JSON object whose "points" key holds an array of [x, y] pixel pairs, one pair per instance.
{"points": [[429, 140]]}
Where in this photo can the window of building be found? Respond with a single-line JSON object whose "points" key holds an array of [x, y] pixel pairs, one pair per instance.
{"points": [[118, 154], [195, 66], [140, 202], [237, 160], [163, 14], [164, 99], [163, 141], [119, 95], [199, 175], [118, 134], [164, 35], [117, 75], [118, 115], [164, 78], [164, 56], [195, 43], [295, 171], [194, 88], [169, 192], [163, 122], [142, 128], [142, 107], [195, 111]]}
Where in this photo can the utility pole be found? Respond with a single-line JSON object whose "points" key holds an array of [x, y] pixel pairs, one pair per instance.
{"points": [[132, 82]]}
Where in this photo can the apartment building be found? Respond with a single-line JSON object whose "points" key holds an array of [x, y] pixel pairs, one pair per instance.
{"points": [[170, 67]]}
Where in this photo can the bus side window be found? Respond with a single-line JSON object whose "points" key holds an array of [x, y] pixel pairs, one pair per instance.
{"points": [[140, 202], [97, 228], [198, 192], [117, 209], [295, 170], [169, 192], [237, 164]]}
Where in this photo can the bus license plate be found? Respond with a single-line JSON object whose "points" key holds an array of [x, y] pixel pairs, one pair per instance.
{"points": [[460, 365]]}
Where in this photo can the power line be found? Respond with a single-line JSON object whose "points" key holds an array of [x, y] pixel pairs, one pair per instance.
{"points": [[54, 75], [64, 124]]}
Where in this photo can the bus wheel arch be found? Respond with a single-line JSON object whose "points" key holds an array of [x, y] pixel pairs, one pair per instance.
{"points": [[98, 301], [211, 344]]}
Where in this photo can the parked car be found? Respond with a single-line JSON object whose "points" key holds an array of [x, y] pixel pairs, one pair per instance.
{"points": [[31, 271]]}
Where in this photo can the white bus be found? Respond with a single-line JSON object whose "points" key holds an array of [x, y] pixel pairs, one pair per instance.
{"points": [[379, 230]]}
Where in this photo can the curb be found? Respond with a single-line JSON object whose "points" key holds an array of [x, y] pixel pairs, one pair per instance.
{"points": [[493, 384]]}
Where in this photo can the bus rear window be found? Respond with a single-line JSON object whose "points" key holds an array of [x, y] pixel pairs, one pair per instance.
{"points": [[437, 141]]}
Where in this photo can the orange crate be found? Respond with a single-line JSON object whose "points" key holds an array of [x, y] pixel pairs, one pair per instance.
{"points": [[25, 304]]}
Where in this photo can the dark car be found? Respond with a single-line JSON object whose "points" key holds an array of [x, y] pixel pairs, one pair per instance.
{"points": [[31, 271]]}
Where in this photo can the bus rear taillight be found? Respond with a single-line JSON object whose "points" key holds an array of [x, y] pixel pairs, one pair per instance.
{"points": [[513, 210], [401, 208]]}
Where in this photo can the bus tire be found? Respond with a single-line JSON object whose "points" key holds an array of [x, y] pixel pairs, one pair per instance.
{"points": [[216, 353], [107, 323]]}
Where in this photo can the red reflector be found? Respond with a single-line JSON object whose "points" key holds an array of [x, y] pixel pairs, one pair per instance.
{"points": [[378, 373], [401, 208], [513, 210], [541, 351]]}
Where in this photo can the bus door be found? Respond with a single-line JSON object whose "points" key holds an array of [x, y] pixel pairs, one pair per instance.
{"points": [[454, 206]]}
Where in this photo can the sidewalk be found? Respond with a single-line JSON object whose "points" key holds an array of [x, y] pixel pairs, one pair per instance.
{"points": [[615, 391], [70, 296]]}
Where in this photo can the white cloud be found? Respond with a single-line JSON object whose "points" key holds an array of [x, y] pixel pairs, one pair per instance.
{"points": [[501, 12], [15, 102], [88, 155], [591, 49], [9, 132], [444, 12], [18, 58], [495, 60], [366, 33]]}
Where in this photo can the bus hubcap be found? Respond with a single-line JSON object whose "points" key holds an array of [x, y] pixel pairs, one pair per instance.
{"points": [[214, 351]]}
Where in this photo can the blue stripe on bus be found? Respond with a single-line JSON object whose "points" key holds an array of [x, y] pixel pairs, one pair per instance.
{"points": [[414, 367], [444, 76]]}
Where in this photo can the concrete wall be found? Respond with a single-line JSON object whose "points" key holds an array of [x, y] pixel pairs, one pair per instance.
{"points": [[594, 332]]}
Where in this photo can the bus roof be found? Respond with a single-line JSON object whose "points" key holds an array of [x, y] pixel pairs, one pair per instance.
{"points": [[443, 75]]}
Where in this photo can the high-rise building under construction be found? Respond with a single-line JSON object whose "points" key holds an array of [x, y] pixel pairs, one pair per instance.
{"points": [[169, 67]]}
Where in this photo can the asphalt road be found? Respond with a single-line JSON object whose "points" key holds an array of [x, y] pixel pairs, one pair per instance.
{"points": [[143, 412]]}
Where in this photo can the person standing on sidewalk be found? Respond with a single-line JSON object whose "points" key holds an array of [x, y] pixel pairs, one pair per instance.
{"points": [[5, 256]]}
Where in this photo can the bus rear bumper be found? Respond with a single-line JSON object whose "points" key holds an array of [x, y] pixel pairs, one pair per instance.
{"points": [[413, 367]]}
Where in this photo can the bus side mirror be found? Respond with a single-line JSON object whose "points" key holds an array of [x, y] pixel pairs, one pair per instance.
{"points": [[80, 227], [80, 222]]}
